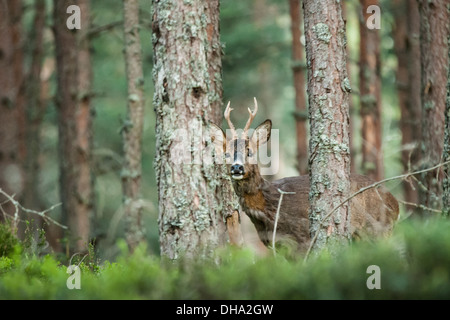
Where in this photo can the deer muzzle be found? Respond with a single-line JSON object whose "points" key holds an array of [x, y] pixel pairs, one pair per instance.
{"points": [[237, 171]]}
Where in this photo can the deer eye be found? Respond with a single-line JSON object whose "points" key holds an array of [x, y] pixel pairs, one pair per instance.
{"points": [[249, 153], [227, 155]]}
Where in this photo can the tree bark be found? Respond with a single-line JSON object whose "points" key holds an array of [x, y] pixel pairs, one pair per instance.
{"points": [[74, 122], [370, 95], [301, 114], [328, 92], [434, 20], [133, 126], [11, 102], [407, 48], [194, 196]]}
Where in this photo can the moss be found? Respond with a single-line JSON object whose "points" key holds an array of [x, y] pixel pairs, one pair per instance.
{"points": [[322, 31], [319, 75], [346, 85], [429, 105], [202, 218]]}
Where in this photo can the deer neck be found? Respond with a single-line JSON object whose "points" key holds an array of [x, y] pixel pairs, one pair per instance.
{"points": [[250, 191]]}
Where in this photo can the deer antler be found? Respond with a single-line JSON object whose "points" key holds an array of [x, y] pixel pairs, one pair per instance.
{"points": [[226, 114], [251, 117]]}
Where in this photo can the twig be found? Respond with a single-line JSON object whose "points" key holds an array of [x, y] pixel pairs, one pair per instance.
{"points": [[277, 215], [373, 185], [18, 206], [97, 30], [420, 206]]}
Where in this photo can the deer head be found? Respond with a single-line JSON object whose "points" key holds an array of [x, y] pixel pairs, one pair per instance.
{"points": [[240, 152]]}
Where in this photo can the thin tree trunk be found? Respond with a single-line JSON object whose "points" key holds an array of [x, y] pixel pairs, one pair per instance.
{"points": [[301, 114], [446, 157], [328, 92], [132, 129], [407, 49], [15, 19], [260, 13], [75, 122], [194, 196], [370, 95], [11, 102], [434, 20], [35, 109], [351, 106]]}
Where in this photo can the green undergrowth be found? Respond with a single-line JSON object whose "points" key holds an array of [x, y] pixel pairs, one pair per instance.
{"points": [[413, 264]]}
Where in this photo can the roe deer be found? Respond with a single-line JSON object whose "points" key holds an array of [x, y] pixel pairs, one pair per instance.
{"points": [[373, 212]]}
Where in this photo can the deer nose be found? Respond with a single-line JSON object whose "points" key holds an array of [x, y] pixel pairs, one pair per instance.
{"points": [[237, 169]]}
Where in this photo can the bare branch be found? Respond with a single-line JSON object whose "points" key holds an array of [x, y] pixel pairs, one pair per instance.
{"points": [[18, 206], [420, 206], [98, 30], [277, 215]]}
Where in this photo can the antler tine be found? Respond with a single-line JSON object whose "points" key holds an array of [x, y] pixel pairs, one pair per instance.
{"points": [[251, 117], [226, 114]]}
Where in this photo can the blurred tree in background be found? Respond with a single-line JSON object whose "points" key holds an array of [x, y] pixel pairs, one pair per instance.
{"points": [[75, 136], [370, 90], [408, 81], [132, 128], [11, 101], [299, 67]]}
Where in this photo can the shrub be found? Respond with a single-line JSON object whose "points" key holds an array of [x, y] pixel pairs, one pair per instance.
{"points": [[7, 240], [413, 263]]}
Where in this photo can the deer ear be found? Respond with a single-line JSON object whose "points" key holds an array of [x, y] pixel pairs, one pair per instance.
{"points": [[217, 137], [262, 133]]}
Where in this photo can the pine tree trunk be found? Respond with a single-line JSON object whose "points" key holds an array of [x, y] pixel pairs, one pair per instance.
{"points": [[133, 126], [370, 95], [11, 103], [35, 109], [194, 196], [407, 49], [434, 20], [328, 92], [74, 122], [299, 87]]}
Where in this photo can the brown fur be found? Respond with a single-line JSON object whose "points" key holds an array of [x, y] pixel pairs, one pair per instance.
{"points": [[255, 201], [373, 212]]}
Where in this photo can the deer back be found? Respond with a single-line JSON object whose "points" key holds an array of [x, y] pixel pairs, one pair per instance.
{"points": [[373, 212]]}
